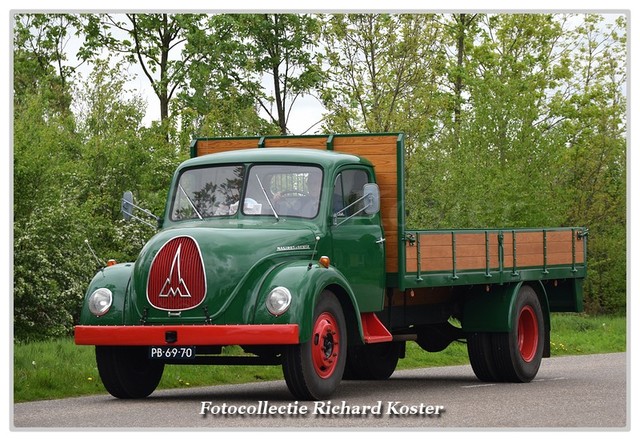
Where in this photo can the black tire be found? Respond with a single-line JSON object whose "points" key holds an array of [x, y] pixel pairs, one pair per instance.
{"points": [[480, 350], [372, 362], [127, 371], [513, 356], [313, 369], [521, 349]]}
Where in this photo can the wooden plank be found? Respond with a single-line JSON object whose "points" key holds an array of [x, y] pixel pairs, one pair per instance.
{"points": [[559, 236], [564, 258], [377, 148], [368, 140], [207, 151], [205, 146], [293, 142], [388, 192]]}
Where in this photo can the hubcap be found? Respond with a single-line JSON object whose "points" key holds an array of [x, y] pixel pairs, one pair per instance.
{"points": [[527, 333], [325, 345]]}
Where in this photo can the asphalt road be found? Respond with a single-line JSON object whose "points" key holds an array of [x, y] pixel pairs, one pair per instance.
{"points": [[579, 392]]}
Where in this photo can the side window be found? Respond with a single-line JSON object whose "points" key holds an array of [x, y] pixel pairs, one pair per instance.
{"points": [[347, 190], [338, 197]]}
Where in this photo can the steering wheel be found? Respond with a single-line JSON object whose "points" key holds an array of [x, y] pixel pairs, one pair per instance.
{"points": [[291, 201], [297, 193]]}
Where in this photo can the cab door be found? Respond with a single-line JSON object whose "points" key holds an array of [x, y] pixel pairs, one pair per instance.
{"points": [[358, 239]]}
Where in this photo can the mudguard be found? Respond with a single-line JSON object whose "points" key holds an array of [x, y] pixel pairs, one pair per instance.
{"points": [[116, 278], [306, 282], [492, 311]]}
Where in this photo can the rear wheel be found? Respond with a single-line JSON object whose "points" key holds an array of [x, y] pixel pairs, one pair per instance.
{"points": [[313, 369], [480, 349], [127, 371], [513, 356]]}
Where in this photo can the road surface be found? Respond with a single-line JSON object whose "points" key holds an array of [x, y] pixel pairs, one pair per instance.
{"points": [[578, 392]]}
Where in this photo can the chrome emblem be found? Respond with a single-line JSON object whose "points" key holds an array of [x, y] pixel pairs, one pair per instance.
{"points": [[175, 286]]}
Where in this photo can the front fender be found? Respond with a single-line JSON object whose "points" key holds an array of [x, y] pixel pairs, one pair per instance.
{"points": [[305, 282], [116, 278]]}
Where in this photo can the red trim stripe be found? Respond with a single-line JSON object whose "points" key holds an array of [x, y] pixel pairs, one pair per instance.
{"points": [[187, 335]]}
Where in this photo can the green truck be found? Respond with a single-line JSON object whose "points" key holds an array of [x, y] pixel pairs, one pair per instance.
{"points": [[295, 249]]}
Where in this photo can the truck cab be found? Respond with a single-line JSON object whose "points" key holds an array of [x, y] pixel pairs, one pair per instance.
{"points": [[251, 242], [247, 209]]}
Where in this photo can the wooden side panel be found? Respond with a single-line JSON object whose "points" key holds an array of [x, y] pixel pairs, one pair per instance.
{"points": [[208, 146], [437, 252], [319, 143], [444, 251], [529, 247], [382, 151]]}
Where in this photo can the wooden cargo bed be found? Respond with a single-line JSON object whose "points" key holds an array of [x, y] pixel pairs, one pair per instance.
{"points": [[458, 257], [428, 258]]}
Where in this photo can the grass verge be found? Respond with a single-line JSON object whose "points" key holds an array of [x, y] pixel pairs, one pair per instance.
{"points": [[60, 369]]}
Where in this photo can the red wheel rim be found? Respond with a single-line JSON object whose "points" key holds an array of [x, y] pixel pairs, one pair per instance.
{"points": [[325, 345], [527, 333]]}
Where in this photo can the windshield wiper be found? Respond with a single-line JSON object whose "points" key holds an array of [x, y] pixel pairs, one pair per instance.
{"points": [[190, 202], [264, 192]]}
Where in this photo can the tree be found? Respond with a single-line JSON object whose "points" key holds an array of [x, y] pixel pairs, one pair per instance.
{"points": [[492, 164], [257, 52], [40, 53], [381, 68], [591, 114], [151, 41]]}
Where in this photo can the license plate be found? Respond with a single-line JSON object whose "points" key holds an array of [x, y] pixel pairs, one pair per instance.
{"points": [[172, 352]]}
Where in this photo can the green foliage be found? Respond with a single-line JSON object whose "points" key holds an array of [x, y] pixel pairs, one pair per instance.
{"points": [[40, 58], [245, 52], [49, 279], [381, 73], [69, 174]]}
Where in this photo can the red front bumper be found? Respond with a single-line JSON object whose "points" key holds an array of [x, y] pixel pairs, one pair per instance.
{"points": [[187, 335]]}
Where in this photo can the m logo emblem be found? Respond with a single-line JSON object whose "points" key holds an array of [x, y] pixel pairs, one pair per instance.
{"points": [[177, 280], [175, 286]]}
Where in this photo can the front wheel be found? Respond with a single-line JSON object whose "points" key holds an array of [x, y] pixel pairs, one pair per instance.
{"points": [[313, 369], [127, 371]]}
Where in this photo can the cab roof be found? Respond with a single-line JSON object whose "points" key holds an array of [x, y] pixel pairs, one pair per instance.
{"points": [[325, 158]]}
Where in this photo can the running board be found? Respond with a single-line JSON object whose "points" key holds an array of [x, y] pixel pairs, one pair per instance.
{"points": [[373, 329]]}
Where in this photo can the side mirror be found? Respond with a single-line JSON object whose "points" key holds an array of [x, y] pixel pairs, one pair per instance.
{"points": [[372, 198], [127, 205]]}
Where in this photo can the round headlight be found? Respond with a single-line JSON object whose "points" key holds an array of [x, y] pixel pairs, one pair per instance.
{"points": [[278, 300], [100, 301]]}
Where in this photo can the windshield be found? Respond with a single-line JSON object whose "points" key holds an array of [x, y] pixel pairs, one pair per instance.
{"points": [[283, 190], [207, 192], [271, 190]]}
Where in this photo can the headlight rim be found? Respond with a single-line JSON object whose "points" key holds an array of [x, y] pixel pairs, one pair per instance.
{"points": [[278, 311], [92, 302]]}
